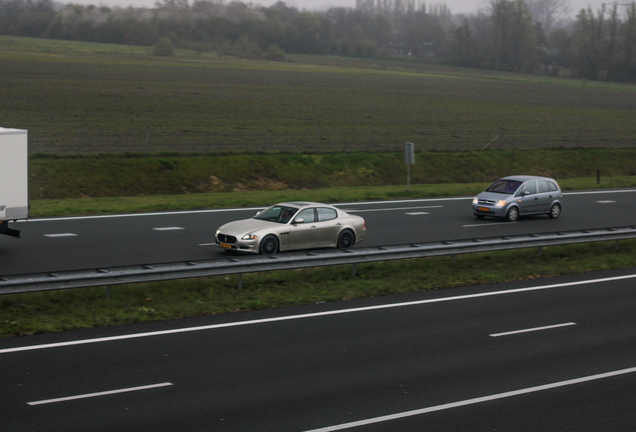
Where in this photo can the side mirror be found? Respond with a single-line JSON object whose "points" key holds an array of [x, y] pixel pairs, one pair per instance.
{"points": [[258, 212], [298, 221]]}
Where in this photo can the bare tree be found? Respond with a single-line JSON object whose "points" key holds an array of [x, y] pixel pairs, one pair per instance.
{"points": [[548, 12]]}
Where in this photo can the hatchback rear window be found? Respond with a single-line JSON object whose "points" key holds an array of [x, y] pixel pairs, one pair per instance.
{"points": [[504, 186]]}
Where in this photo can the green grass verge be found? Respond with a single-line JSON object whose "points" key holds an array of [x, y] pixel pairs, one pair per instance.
{"points": [[110, 205], [54, 311], [227, 180]]}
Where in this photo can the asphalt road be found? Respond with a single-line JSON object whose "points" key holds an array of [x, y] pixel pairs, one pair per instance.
{"points": [[556, 354], [59, 244]]}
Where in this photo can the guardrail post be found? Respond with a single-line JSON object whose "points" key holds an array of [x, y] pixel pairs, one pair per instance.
{"points": [[540, 250], [453, 260], [353, 273], [108, 293], [616, 245], [240, 280]]}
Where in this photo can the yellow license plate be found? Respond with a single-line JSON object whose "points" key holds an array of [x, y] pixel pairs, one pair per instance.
{"points": [[226, 246], [484, 209]]}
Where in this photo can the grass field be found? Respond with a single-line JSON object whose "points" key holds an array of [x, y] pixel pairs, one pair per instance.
{"points": [[86, 97]]}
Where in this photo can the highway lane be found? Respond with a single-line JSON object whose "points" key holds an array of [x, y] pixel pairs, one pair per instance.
{"points": [[59, 244], [319, 366]]}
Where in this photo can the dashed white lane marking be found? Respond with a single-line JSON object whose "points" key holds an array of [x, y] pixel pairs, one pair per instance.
{"points": [[104, 393], [390, 209], [313, 315], [244, 209], [61, 235], [532, 329], [486, 224], [416, 213], [474, 401], [606, 202], [167, 228], [207, 244]]}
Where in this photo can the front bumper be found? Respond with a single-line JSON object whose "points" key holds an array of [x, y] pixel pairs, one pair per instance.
{"points": [[249, 246], [485, 210]]}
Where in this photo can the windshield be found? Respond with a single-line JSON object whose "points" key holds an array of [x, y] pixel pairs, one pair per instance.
{"points": [[507, 187], [277, 213]]}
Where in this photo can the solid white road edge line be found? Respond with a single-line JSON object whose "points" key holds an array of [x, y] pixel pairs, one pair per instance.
{"points": [[169, 213], [532, 329], [168, 228], [313, 315], [474, 401], [61, 235], [390, 209], [487, 224], [90, 395]]}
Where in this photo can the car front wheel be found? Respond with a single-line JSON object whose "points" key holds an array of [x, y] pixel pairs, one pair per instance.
{"points": [[269, 245], [346, 239], [555, 211], [513, 214]]}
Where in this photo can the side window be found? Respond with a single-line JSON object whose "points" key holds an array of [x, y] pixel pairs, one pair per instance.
{"points": [[553, 187], [520, 191], [307, 215], [325, 214], [543, 186], [531, 187]]}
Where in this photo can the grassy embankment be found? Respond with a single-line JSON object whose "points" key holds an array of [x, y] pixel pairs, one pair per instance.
{"points": [[111, 184]]}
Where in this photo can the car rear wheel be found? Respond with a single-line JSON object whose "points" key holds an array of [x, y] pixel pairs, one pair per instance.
{"points": [[513, 214], [555, 211], [346, 239], [269, 245]]}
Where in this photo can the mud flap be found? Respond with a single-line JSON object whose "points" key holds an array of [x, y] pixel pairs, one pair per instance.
{"points": [[4, 229]]}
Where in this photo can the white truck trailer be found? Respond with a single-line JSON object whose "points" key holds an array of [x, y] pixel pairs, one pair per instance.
{"points": [[14, 178]]}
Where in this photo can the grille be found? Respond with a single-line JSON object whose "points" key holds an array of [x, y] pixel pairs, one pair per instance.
{"points": [[224, 238], [487, 202]]}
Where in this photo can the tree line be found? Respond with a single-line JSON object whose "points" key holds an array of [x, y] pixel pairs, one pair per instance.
{"points": [[521, 35]]}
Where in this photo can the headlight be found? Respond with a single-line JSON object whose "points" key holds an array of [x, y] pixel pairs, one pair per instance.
{"points": [[217, 232], [249, 237], [475, 200], [500, 203]]}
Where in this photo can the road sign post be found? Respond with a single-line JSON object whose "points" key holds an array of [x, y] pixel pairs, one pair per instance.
{"points": [[409, 159]]}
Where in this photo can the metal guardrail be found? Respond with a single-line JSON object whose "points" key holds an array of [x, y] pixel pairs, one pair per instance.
{"points": [[251, 264]]}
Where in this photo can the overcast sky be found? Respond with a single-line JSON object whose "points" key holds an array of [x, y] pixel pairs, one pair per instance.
{"points": [[456, 6]]}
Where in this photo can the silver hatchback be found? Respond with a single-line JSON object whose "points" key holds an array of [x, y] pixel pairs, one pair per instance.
{"points": [[514, 196]]}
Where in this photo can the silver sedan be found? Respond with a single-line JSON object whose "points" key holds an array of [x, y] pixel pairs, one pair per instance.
{"points": [[292, 225]]}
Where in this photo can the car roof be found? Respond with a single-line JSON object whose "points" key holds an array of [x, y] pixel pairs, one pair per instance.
{"points": [[303, 204], [523, 178]]}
